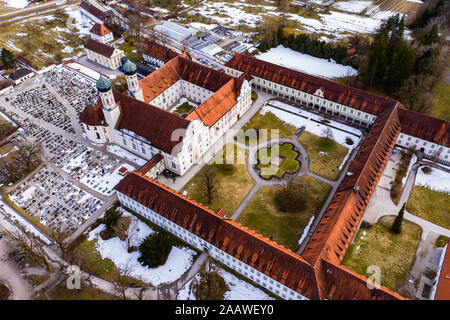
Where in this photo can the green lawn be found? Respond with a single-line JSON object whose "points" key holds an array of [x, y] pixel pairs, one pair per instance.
{"points": [[184, 108], [289, 164], [130, 51], [393, 254], [441, 95], [286, 229], [61, 292], [232, 187], [430, 205], [85, 254], [266, 123], [325, 156]]}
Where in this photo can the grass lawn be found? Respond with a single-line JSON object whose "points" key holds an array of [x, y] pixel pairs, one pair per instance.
{"points": [[130, 51], [433, 206], [267, 121], [286, 229], [393, 254], [184, 108], [85, 251], [441, 95], [37, 279], [232, 187], [41, 39], [289, 164], [325, 156], [61, 292]]}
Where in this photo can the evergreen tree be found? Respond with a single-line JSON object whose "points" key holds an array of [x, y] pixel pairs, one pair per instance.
{"points": [[111, 217], [430, 37], [7, 58], [154, 250], [397, 224]]}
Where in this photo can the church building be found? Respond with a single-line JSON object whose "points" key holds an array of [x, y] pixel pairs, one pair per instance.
{"points": [[143, 119]]}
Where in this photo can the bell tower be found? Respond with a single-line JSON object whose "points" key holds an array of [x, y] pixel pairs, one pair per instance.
{"points": [[130, 70], [110, 108]]}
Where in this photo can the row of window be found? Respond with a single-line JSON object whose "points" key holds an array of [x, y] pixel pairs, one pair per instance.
{"points": [[220, 255]]}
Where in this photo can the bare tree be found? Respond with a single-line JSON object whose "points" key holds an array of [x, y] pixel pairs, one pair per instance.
{"points": [[59, 236], [209, 285], [208, 182], [123, 279], [26, 242], [135, 22], [29, 153], [437, 154], [327, 133], [131, 234]]}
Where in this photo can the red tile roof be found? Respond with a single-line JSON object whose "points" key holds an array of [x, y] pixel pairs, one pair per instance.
{"points": [[96, 12], [181, 68], [341, 219], [249, 247], [157, 51], [152, 123], [425, 127], [151, 163], [100, 48], [149, 122], [443, 285], [216, 106], [100, 30], [323, 281], [93, 115], [333, 91]]}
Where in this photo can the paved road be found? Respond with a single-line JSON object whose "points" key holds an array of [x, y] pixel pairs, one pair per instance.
{"points": [[9, 272]]}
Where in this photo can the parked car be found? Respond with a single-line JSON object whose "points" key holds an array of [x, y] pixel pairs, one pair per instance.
{"points": [[1, 236]]}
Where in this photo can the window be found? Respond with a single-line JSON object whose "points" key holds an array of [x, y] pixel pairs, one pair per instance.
{"points": [[174, 165]]}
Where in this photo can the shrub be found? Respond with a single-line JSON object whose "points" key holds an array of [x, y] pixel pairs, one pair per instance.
{"points": [[441, 242], [254, 96], [154, 250], [111, 217], [211, 285], [226, 167], [426, 170]]}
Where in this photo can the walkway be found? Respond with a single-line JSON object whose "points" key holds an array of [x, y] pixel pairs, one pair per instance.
{"points": [[381, 203], [251, 161]]}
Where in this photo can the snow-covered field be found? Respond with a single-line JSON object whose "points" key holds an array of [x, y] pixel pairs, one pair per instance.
{"points": [[335, 24], [437, 180], [355, 6], [115, 149], [16, 4], [94, 75], [179, 260], [28, 226], [306, 63], [104, 184], [302, 118], [238, 289]]}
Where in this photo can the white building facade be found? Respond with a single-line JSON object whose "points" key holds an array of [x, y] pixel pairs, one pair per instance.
{"points": [[200, 244]]}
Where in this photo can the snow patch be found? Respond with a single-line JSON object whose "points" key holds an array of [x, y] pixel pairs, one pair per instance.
{"points": [[306, 63]]}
